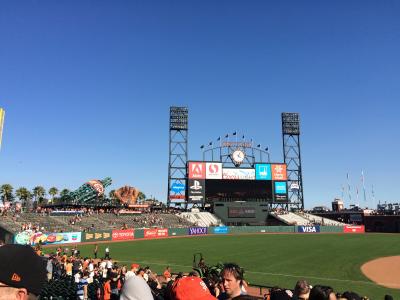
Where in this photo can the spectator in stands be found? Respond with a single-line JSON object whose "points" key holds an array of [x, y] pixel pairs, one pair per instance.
{"points": [[322, 292], [167, 274], [22, 273], [301, 290], [232, 280], [82, 291], [132, 271], [135, 288], [190, 288], [350, 296]]}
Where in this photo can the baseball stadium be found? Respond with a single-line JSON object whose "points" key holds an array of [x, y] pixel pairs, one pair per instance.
{"points": [[232, 212]]}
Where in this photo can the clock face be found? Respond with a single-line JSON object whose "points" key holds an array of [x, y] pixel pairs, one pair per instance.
{"points": [[238, 156]]}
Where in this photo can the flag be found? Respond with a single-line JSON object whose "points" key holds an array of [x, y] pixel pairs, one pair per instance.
{"points": [[259, 145], [234, 133], [219, 138], [202, 146], [226, 136], [243, 136], [266, 149], [210, 144]]}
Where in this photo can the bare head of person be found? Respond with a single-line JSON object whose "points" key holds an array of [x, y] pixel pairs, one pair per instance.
{"points": [[232, 279], [22, 273]]}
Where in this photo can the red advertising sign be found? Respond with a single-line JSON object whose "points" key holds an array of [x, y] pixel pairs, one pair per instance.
{"points": [[354, 229], [197, 170], [156, 233], [214, 170], [278, 172], [123, 235]]}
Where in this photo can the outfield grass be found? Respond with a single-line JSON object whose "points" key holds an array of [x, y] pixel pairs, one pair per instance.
{"points": [[268, 259]]}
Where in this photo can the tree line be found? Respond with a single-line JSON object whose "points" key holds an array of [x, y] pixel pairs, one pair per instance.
{"points": [[38, 194]]}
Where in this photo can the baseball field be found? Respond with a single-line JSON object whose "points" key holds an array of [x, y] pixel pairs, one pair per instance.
{"points": [[271, 259]]}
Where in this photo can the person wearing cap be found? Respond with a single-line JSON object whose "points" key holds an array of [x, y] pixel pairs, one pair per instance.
{"points": [[190, 288], [132, 271], [22, 273]]}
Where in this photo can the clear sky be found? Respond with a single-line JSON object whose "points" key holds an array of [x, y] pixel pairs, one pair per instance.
{"points": [[87, 86]]}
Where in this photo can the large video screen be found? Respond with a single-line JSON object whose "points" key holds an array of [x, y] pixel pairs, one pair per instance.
{"points": [[241, 212], [238, 190]]}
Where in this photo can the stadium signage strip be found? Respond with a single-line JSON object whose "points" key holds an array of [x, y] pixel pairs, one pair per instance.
{"points": [[155, 232], [241, 174], [29, 237], [97, 236], [221, 230], [198, 230], [123, 235], [308, 229], [354, 229]]}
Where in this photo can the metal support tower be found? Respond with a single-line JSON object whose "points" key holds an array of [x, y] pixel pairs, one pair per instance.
{"points": [[292, 158], [178, 154]]}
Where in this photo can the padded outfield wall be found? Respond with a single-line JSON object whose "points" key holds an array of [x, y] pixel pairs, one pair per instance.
{"points": [[32, 238]]}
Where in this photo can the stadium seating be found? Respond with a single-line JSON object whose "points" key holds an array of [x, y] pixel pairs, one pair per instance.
{"points": [[290, 218], [320, 220], [204, 219]]}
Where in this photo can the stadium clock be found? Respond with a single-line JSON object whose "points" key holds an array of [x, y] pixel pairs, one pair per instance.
{"points": [[238, 157]]}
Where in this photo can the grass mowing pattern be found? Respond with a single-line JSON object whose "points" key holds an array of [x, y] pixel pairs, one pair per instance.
{"points": [[268, 259]]}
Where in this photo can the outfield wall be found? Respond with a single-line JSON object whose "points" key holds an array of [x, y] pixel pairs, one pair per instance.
{"points": [[32, 238]]}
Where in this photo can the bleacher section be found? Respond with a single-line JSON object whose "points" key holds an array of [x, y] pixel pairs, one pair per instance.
{"points": [[202, 219], [301, 218], [320, 220], [92, 222], [290, 218]]}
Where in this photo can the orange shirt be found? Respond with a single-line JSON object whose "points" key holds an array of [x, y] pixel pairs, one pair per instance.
{"points": [[107, 290]]}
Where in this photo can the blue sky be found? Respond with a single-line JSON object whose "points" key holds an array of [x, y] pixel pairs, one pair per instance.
{"points": [[87, 86]]}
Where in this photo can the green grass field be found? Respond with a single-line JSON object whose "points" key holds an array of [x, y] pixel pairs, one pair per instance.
{"points": [[268, 259]]}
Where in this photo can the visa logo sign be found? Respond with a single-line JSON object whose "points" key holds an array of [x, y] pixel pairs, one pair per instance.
{"points": [[308, 229]]}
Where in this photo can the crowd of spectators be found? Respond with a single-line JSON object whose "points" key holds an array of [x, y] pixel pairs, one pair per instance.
{"points": [[106, 279]]}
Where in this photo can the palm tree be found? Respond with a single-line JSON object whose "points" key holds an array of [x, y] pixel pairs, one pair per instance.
{"points": [[53, 191], [6, 190], [38, 192], [24, 195], [111, 195], [64, 192], [141, 196]]}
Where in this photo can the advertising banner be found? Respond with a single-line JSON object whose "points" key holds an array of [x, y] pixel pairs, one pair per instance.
{"points": [[213, 170], [221, 230], [96, 236], [308, 229], [177, 187], [263, 172], [354, 229], [155, 232], [245, 174], [123, 235], [197, 170], [278, 172], [280, 187], [197, 230], [28, 237], [196, 190]]}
